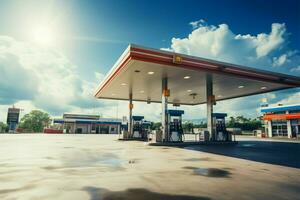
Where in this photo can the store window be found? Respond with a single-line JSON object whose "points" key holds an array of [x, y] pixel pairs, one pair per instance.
{"points": [[279, 127]]}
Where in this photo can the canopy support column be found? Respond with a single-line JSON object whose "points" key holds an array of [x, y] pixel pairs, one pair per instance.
{"points": [[209, 105], [130, 116], [164, 106]]}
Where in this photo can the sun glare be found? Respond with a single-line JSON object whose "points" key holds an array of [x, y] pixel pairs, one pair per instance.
{"points": [[44, 35]]}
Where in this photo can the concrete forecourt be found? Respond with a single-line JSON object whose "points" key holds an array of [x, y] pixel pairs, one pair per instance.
{"points": [[45, 166]]}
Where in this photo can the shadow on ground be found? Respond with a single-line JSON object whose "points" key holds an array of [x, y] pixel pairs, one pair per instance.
{"points": [[272, 152], [135, 194]]}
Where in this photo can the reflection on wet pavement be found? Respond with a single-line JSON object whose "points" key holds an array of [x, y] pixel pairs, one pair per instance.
{"points": [[135, 194], [199, 159], [4, 191], [210, 172], [89, 159]]}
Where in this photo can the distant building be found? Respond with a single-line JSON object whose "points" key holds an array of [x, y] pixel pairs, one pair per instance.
{"points": [[282, 120], [13, 115], [77, 123]]}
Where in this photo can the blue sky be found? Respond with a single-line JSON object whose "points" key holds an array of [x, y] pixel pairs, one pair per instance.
{"points": [[86, 37]]}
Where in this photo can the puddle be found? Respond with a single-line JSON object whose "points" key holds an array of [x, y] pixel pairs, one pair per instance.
{"points": [[247, 145], [88, 159], [135, 194], [228, 168], [49, 158], [50, 168], [4, 164], [198, 159], [93, 159], [210, 172], [265, 169], [5, 191]]}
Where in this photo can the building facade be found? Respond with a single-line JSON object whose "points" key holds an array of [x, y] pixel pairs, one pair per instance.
{"points": [[85, 124], [282, 121]]}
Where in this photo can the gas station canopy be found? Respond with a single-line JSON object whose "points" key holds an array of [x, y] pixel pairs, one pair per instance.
{"points": [[139, 71]]}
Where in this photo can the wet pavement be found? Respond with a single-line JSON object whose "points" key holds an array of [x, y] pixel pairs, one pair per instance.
{"points": [[98, 167]]}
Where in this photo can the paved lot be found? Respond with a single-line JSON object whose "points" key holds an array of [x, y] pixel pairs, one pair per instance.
{"points": [[100, 167], [273, 151]]}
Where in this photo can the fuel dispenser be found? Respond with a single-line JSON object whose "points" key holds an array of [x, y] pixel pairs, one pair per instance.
{"points": [[219, 127], [175, 125], [140, 128]]}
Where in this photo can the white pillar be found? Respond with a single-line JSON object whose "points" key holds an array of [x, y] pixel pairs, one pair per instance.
{"points": [[209, 106], [289, 128], [75, 127], [130, 116], [164, 106], [270, 128]]}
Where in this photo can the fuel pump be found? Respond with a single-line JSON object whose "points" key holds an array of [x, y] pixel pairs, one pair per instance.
{"points": [[219, 127], [137, 126], [146, 129], [175, 133], [141, 127]]}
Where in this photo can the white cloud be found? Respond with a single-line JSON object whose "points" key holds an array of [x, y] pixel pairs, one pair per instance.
{"points": [[220, 43], [267, 43], [99, 76], [42, 76], [296, 69], [264, 50], [278, 61], [291, 99], [198, 23], [35, 77]]}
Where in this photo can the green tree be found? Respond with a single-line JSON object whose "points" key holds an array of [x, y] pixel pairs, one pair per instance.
{"points": [[201, 125], [155, 125], [188, 127], [243, 123], [35, 121], [3, 127]]}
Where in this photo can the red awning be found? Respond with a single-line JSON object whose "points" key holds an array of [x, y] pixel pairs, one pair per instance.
{"points": [[281, 116]]}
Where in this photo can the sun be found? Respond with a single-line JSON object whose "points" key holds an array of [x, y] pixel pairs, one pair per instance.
{"points": [[44, 35]]}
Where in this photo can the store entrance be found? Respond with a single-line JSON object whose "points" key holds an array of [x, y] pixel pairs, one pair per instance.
{"points": [[295, 128]]}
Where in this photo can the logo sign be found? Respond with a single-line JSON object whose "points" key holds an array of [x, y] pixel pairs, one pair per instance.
{"points": [[130, 106], [13, 115], [177, 59], [166, 92]]}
